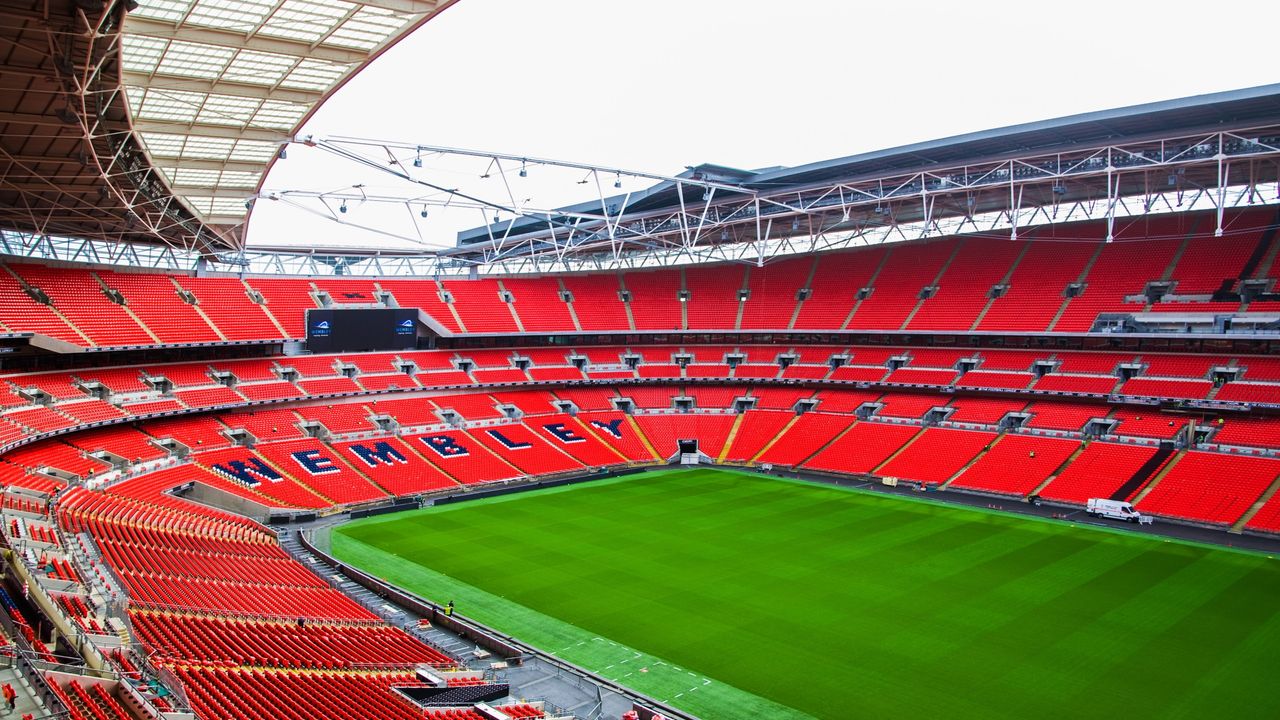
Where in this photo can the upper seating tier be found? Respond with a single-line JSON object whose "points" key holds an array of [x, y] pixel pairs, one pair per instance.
{"points": [[948, 284]]}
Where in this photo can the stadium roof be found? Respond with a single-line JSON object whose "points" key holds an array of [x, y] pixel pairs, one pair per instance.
{"points": [[154, 120], [1197, 114], [1236, 110]]}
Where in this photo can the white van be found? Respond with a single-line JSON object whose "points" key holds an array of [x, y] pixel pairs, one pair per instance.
{"points": [[1114, 509]]}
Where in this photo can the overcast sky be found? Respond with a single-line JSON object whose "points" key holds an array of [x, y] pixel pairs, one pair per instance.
{"points": [[661, 84]]}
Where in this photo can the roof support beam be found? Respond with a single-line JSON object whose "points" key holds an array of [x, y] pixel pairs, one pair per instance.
{"points": [[406, 7], [216, 131], [42, 184], [234, 40], [33, 119], [258, 92], [204, 191], [40, 73], [34, 159], [163, 162], [228, 220]]}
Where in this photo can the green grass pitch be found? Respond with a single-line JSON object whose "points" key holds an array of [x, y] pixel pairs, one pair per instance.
{"points": [[734, 595]]}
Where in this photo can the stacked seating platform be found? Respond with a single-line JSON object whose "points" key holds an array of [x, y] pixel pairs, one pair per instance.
{"points": [[1188, 437], [939, 285]]}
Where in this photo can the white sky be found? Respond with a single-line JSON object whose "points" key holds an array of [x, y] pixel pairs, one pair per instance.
{"points": [[660, 84]]}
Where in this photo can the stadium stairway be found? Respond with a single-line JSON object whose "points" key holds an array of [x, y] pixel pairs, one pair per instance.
{"points": [[871, 283], [808, 283], [835, 438], [1084, 274], [742, 302], [1013, 267], [733, 434], [644, 439], [626, 305], [258, 298], [107, 290], [573, 312], [1168, 466], [1183, 244], [200, 312], [781, 434], [254, 493], [455, 645], [1266, 269], [973, 461], [1065, 464], [50, 307], [876, 470], [1262, 252], [425, 458], [935, 282], [1149, 468], [1239, 525], [511, 307]]}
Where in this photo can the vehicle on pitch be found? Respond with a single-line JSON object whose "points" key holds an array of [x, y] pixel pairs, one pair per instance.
{"points": [[1114, 509]]}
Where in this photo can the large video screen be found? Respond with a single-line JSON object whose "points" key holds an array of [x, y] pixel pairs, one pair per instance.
{"points": [[359, 329]]}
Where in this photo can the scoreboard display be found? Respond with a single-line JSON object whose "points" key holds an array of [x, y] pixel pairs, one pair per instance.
{"points": [[360, 329]]}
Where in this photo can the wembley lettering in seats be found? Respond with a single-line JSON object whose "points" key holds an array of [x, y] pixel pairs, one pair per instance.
{"points": [[444, 446], [562, 433], [315, 463], [248, 472], [508, 442], [613, 427], [382, 453]]}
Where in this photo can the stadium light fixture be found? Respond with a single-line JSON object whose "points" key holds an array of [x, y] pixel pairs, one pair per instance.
{"points": [[343, 207], [417, 162], [617, 181], [524, 172], [282, 154], [424, 212]]}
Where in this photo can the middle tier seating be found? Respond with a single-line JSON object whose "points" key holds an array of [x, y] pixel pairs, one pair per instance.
{"points": [[948, 284]]}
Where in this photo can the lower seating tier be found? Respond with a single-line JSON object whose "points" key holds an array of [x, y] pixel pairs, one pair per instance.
{"points": [[215, 595]]}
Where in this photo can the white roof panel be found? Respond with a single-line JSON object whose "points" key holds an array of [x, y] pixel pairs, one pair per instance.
{"points": [[215, 69], [259, 68]]}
